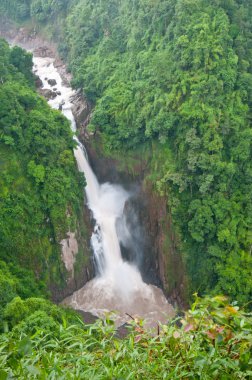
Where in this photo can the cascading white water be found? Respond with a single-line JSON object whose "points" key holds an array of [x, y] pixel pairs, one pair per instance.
{"points": [[118, 284]]}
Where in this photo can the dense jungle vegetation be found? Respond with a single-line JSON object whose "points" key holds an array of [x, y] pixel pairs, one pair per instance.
{"points": [[176, 76], [39, 182]]}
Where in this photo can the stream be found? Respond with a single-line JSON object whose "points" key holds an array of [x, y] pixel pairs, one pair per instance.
{"points": [[118, 288]]}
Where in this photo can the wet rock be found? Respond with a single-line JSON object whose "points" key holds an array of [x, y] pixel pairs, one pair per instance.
{"points": [[81, 109], [87, 317], [69, 251], [61, 105], [161, 262], [43, 51], [58, 93], [123, 331], [58, 63], [135, 220], [48, 94], [52, 82], [38, 81]]}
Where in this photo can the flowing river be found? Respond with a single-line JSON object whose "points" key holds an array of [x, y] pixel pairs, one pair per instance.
{"points": [[118, 287]]}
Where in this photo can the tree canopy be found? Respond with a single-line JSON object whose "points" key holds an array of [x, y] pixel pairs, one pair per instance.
{"points": [[39, 185], [178, 76]]}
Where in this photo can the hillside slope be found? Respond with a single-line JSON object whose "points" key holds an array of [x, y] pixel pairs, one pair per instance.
{"points": [[41, 190]]}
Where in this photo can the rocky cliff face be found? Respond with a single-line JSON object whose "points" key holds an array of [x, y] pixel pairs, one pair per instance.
{"points": [[155, 246], [165, 248], [76, 263]]}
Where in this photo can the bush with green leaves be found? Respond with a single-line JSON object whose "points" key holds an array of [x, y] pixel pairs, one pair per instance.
{"points": [[17, 281], [212, 341]]}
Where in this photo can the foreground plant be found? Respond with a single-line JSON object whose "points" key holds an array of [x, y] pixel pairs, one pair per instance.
{"points": [[213, 340]]}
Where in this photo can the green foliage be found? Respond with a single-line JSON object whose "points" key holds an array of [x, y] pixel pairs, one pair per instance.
{"points": [[19, 312], [178, 74], [213, 342], [40, 10], [22, 61], [16, 9], [16, 281], [8, 284], [39, 183]]}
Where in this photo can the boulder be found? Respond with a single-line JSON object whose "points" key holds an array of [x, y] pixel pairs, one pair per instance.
{"points": [[61, 105], [48, 94], [52, 82], [44, 52], [38, 81], [81, 109]]}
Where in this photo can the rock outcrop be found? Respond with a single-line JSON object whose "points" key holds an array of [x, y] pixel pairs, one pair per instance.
{"points": [[38, 82], [76, 264], [82, 111], [52, 82], [155, 245], [48, 94], [69, 251]]}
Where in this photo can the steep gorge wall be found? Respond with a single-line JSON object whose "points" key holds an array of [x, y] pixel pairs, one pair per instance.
{"points": [[161, 260], [146, 211], [75, 262]]}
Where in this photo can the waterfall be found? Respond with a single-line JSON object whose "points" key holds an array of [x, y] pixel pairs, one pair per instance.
{"points": [[118, 285]]}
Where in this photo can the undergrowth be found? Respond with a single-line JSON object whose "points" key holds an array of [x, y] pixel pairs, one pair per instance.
{"points": [[213, 340]]}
